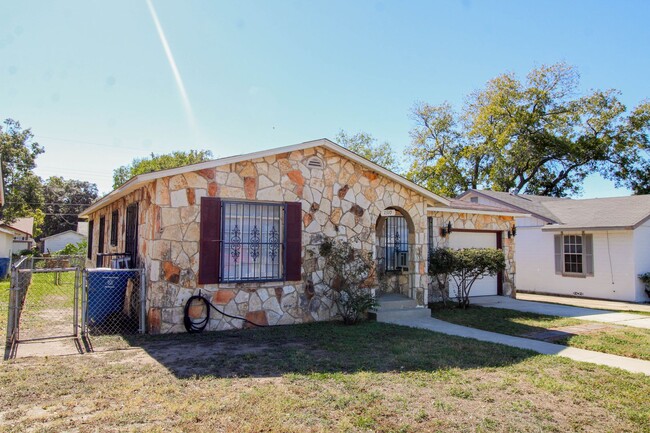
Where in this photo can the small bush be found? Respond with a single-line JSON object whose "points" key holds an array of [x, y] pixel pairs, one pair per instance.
{"points": [[348, 273], [645, 279]]}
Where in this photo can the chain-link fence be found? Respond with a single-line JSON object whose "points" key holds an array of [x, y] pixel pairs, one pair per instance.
{"points": [[53, 297], [113, 301]]}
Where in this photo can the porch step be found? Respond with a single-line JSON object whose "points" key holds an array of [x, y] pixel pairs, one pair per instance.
{"points": [[394, 307], [384, 315]]}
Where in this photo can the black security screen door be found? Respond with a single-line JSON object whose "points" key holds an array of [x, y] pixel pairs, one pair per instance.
{"points": [[396, 248], [100, 242], [131, 241]]}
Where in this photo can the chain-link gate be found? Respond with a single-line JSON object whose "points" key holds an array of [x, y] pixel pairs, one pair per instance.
{"points": [[43, 299], [55, 297], [113, 301]]}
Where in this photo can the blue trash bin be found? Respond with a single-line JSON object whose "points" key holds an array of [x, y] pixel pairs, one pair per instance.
{"points": [[4, 267], [106, 291]]}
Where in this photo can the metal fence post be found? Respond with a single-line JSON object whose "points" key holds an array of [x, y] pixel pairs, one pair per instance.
{"points": [[84, 301], [143, 302]]}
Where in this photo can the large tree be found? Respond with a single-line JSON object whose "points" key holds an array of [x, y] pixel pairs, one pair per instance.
{"points": [[158, 162], [23, 190], [366, 145], [538, 136], [64, 200]]}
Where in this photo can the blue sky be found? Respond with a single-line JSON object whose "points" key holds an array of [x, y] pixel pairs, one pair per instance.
{"points": [[93, 81]]}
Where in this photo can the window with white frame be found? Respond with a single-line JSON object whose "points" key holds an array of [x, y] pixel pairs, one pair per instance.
{"points": [[252, 247], [572, 256]]}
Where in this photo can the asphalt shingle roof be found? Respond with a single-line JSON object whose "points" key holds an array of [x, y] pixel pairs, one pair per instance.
{"points": [[611, 212]]}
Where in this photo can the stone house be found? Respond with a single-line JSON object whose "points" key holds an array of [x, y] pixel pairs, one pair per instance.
{"points": [[245, 230]]}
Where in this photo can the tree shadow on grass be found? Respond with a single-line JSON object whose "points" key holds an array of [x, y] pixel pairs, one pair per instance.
{"points": [[325, 347]]}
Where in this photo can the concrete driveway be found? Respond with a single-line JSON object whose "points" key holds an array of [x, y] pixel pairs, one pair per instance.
{"points": [[604, 316]]}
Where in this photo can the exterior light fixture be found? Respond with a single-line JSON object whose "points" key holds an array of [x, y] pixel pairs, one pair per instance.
{"points": [[445, 230], [512, 232]]}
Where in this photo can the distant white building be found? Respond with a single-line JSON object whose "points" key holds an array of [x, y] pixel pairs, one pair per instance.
{"points": [[593, 248], [22, 229], [57, 242]]}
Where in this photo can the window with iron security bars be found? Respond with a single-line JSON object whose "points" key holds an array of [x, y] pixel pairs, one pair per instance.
{"points": [[253, 242], [396, 247]]}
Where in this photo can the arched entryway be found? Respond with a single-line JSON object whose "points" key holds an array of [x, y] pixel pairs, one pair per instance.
{"points": [[395, 233]]}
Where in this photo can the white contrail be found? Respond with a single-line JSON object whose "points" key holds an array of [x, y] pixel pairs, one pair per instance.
{"points": [[172, 64]]}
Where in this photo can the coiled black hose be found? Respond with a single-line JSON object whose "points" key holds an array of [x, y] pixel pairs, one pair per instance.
{"points": [[194, 327]]}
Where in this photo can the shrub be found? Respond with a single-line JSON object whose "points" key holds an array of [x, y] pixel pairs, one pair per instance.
{"points": [[348, 273], [645, 279], [78, 249]]}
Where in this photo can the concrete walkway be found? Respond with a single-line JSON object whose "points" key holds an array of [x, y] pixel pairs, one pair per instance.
{"points": [[629, 364], [600, 304], [604, 316]]}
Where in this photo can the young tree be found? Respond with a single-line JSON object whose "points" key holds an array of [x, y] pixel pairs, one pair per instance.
{"points": [[23, 191], [465, 267], [536, 136], [158, 162], [366, 145], [64, 200]]}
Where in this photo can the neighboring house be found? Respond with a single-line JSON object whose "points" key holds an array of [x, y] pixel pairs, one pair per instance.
{"points": [[6, 250], [57, 242], [22, 229], [245, 231], [594, 248]]}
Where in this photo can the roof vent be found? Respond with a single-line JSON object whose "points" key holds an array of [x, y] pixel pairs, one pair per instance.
{"points": [[315, 163]]}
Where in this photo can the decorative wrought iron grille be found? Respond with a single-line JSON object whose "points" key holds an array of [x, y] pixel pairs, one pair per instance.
{"points": [[396, 247], [252, 242]]}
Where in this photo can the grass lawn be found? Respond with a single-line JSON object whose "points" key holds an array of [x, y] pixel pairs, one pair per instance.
{"points": [[316, 378], [616, 340]]}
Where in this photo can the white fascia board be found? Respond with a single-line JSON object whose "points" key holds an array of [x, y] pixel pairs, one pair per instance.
{"points": [[137, 181], [477, 212], [564, 228]]}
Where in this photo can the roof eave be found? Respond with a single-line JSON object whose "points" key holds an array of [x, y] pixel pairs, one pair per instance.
{"points": [[476, 211], [560, 228]]}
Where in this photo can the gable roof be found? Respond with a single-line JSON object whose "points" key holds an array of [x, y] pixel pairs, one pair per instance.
{"points": [[56, 235], [533, 204], [137, 181], [23, 225], [610, 213]]}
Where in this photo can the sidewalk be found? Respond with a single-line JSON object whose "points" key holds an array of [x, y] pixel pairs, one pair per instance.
{"points": [[629, 364], [604, 316], [600, 304]]}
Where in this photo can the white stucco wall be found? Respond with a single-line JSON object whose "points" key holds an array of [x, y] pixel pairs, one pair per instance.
{"points": [[56, 243], [6, 244], [642, 258], [535, 261]]}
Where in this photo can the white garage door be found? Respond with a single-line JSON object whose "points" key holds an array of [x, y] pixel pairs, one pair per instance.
{"points": [[487, 285]]}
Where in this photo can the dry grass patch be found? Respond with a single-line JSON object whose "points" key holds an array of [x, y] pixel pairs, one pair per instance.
{"points": [[315, 378]]}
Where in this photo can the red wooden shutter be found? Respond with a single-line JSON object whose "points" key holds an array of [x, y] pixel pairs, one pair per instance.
{"points": [[210, 252], [293, 233]]}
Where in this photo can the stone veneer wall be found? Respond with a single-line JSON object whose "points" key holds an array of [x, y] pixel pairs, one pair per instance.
{"points": [[143, 197], [342, 200]]}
